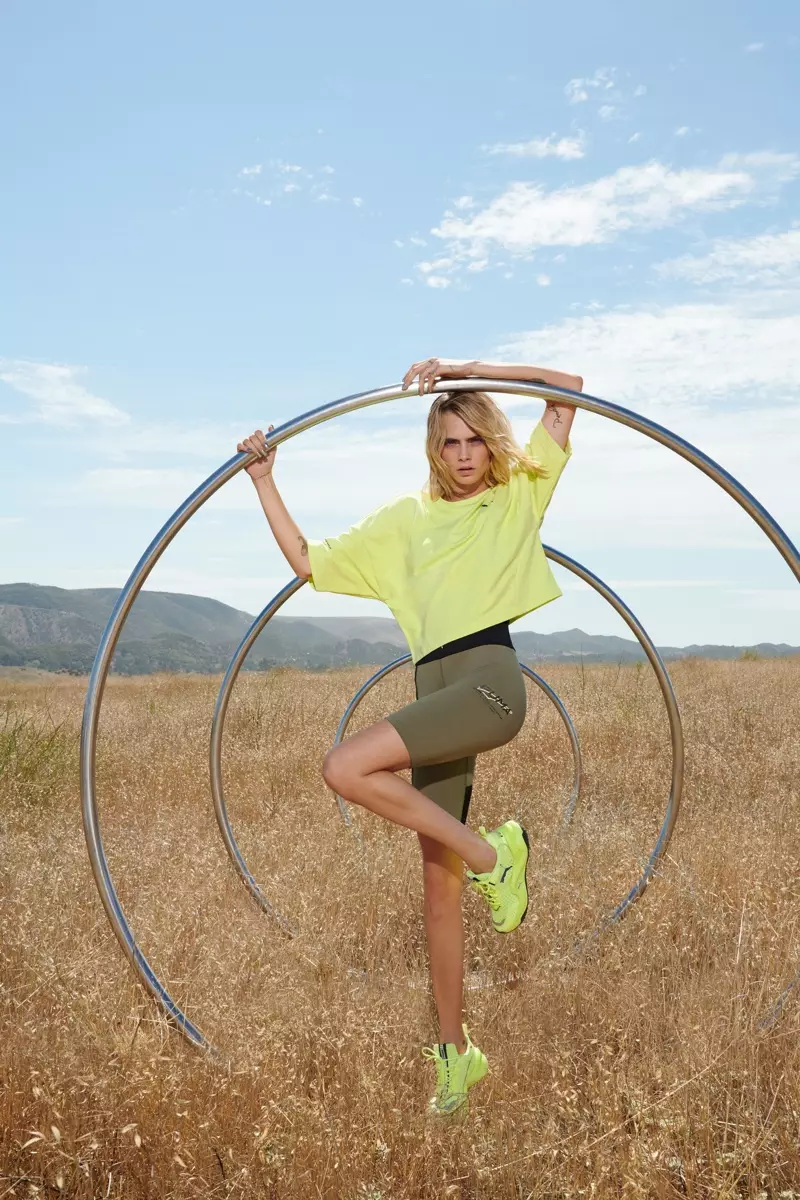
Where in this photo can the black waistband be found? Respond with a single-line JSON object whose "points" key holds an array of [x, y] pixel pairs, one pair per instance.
{"points": [[494, 635]]}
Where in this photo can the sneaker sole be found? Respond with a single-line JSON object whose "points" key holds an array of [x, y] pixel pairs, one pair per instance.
{"points": [[526, 839], [527, 842]]}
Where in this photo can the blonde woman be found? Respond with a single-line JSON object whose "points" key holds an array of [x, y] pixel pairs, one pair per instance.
{"points": [[455, 562]]}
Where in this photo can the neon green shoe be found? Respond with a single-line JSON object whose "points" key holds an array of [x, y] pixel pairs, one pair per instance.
{"points": [[455, 1075], [505, 889]]}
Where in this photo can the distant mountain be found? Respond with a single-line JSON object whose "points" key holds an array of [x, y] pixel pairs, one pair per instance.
{"points": [[58, 629]]}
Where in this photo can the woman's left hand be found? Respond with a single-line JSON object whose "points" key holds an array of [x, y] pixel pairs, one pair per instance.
{"points": [[431, 369]]}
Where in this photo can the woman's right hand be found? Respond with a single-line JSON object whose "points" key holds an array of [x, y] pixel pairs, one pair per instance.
{"points": [[255, 444]]}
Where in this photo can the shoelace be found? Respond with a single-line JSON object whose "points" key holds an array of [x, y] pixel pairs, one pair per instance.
{"points": [[486, 887], [488, 890], [442, 1070]]}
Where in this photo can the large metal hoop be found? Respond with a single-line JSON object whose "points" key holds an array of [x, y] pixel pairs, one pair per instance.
{"points": [[135, 582], [619, 605]]}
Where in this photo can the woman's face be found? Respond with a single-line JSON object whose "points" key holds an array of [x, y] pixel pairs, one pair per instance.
{"points": [[466, 456]]}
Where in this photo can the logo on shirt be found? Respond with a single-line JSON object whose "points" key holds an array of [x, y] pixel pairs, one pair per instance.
{"points": [[491, 696]]}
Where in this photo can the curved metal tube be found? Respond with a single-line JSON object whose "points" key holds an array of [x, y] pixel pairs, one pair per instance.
{"points": [[630, 618], [135, 582], [215, 750], [526, 670]]}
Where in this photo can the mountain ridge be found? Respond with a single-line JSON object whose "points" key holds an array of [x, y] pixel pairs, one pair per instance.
{"points": [[59, 629]]}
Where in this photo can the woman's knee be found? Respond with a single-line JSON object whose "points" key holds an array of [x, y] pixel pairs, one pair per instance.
{"points": [[336, 770]]}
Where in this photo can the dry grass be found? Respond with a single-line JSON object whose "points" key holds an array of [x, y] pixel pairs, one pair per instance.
{"points": [[637, 1071]]}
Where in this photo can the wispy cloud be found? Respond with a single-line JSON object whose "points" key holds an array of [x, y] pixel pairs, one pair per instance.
{"points": [[577, 90], [551, 146], [276, 180], [57, 396], [754, 47], [526, 216], [630, 584], [664, 355], [604, 86], [770, 258]]}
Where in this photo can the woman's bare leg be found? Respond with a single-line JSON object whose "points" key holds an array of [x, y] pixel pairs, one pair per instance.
{"points": [[361, 769], [442, 873]]}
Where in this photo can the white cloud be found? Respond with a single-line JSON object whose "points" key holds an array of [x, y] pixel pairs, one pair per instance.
{"points": [[438, 281], [437, 264], [417, 241], [650, 196], [251, 195], [640, 90], [58, 397], [629, 584], [543, 280], [254, 170], [201, 440], [607, 112], [577, 90], [634, 137], [682, 131], [357, 201], [685, 354], [754, 47], [291, 187], [783, 599], [463, 202], [140, 487], [543, 147], [289, 168], [764, 259]]}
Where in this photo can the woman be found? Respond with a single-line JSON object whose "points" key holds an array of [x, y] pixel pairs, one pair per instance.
{"points": [[456, 563]]}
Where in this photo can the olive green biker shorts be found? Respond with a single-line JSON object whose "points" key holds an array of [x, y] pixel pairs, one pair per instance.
{"points": [[467, 703]]}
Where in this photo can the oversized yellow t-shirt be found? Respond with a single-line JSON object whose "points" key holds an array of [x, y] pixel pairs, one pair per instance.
{"points": [[448, 568]]}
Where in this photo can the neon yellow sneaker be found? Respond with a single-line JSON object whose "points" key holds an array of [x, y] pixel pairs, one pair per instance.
{"points": [[455, 1075], [505, 889]]}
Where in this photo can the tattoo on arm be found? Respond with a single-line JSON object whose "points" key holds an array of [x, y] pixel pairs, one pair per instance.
{"points": [[556, 414], [303, 548]]}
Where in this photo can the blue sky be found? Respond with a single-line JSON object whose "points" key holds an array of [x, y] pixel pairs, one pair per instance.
{"points": [[214, 217]]}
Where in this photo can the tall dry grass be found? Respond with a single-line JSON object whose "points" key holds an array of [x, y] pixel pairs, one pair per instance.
{"points": [[637, 1070]]}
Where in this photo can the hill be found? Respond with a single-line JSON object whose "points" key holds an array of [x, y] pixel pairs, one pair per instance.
{"points": [[58, 629]]}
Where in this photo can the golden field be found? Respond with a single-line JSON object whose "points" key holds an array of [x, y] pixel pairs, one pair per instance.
{"points": [[636, 1069]]}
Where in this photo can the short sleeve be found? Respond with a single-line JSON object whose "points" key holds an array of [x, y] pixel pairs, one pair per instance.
{"points": [[348, 563], [546, 451]]}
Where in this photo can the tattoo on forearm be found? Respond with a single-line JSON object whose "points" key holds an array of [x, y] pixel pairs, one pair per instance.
{"points": [[303, 548], [556, 414]]}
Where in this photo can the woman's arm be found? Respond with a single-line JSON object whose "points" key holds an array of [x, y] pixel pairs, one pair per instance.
{"points": [[527, 374], [558, 414], [287, 533]]}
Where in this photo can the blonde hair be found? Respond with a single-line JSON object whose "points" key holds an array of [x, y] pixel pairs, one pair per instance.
{"points": [[479, 411]]}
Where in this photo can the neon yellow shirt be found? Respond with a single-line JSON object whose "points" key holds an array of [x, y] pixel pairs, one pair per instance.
{"points": [[447, 568]]}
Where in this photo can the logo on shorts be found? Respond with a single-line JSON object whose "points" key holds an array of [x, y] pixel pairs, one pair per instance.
{"points": [[494, 698]]}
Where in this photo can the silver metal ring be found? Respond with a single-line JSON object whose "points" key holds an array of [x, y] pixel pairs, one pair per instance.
{"points": [[140, 573], [619, 605]]}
